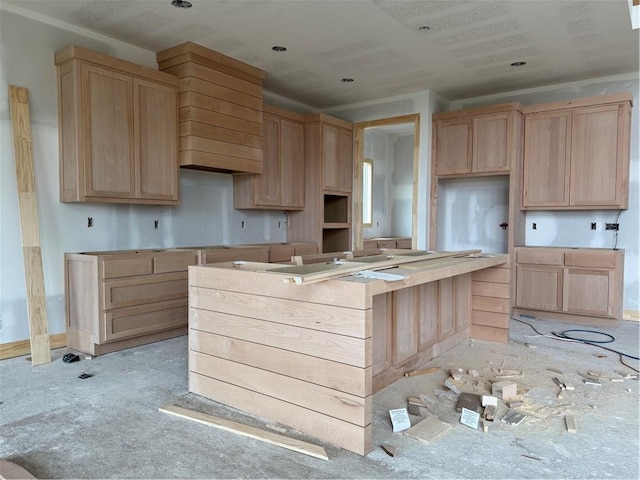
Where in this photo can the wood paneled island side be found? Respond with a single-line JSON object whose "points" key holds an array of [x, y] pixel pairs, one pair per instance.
{"points": [[311, 355]]}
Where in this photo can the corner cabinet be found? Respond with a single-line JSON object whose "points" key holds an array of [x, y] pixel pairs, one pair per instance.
{"points": [[472, 142], [280, 186], [576, 154], [326, 219], [581, 285], [118, 130]]}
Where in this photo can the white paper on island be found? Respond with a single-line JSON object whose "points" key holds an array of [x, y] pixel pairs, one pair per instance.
{"points": [[400, 419], [387, 277]]}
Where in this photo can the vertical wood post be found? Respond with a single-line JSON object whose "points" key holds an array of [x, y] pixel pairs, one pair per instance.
{"points": [[34, 278]]}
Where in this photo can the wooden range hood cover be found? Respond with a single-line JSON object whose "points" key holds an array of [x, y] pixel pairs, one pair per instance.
{"points": [[220, 109]]}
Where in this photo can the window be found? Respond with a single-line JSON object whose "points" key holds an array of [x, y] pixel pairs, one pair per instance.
{"points": [[367, 192]]}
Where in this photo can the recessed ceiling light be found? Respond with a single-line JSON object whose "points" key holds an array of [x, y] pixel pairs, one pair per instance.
{"points": [[181, 3], [346, 80], [518, 64], [279, 48], [424, 28]]}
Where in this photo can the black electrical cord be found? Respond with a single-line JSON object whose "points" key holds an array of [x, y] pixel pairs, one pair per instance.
{"points": [[610, 338], [564, 337], [615, 245]]}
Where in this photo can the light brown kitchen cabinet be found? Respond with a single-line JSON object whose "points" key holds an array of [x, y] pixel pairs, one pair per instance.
{"points": [[337, 158], [120, 299], [581, 285], [474, 141], [280, 186], [410, 325], [576, 154], [326, 219], [118, 130]]}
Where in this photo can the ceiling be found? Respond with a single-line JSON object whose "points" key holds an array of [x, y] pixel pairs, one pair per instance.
{"points": [[467, 51]]}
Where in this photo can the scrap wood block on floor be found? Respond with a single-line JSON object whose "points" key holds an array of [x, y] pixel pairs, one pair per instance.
{"points": [[428, 430]]}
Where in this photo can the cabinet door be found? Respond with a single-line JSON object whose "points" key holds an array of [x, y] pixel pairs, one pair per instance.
{"points": [[596, 170], [337, 158], [492, 150], [269, 183], [546, 159], [345, 160], [156, 135], [292, 158], [539, 287], [587, 291], [382, 333], [453, 147], [405, 328], [429, 315], [447, 326], [107, 119]]}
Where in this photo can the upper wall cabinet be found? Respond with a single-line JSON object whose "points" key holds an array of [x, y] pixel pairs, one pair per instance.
{"points": [[475, 141], [118, 130], [281, 184], [220, 108], [337, 157], [576, 154]]}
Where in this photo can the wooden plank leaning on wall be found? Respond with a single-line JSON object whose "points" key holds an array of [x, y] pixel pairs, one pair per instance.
{"points": [[34, 277]]}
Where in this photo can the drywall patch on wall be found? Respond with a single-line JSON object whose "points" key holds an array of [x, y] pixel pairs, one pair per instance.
{"points": [[470, 211]]}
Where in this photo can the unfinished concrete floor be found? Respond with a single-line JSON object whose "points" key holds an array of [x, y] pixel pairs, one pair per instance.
{"points": [[108, 426]]}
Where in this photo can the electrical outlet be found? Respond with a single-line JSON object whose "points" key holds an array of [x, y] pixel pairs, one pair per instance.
{"points": [[611, 226]]}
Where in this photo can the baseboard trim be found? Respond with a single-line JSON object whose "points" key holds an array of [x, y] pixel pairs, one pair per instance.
{"points": [[23, 347], [632, 315]]}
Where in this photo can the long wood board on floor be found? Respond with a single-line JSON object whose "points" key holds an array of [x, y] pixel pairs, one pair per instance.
{"points": [[32, 255], [247, 431]]}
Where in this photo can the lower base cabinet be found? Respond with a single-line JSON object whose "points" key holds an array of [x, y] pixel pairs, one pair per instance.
{"points": [[581, 285], [117, 300], [413, 325], [121, 299]]}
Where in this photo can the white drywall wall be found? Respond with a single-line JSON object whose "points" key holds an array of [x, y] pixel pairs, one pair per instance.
{"points": [[205, 215]]}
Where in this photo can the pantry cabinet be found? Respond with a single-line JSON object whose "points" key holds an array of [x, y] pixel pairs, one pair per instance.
{"points": [[280, 186], [577, 157], [118, 130], [581, 285], [326, 219]]}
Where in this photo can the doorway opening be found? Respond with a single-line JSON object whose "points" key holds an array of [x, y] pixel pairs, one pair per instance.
{"points": [[388, 149]]}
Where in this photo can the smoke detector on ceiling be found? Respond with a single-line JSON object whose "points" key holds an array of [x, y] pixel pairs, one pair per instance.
{"points": [[181, 3]]}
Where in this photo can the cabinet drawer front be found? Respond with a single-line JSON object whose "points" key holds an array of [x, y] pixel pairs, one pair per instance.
{"points": [[127, 268], [386, 244], [539, 256], [125, 293], [281, 253], [404, 243], [174, 262], [598, 259], [306, 249], [144, 319], [237, 254]]}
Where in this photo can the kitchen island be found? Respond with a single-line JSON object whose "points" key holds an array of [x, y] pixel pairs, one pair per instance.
{"points": [[307, 346]]}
